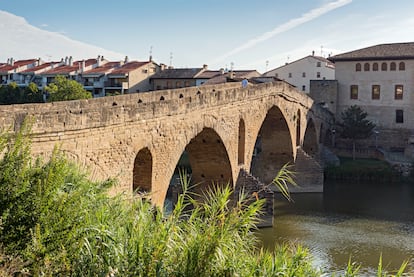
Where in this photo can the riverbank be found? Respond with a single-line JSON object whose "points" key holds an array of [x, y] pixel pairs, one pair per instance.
{"points": [[371, 170]]}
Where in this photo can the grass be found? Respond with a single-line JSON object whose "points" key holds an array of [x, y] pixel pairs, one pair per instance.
{"points": [[361, 170]]}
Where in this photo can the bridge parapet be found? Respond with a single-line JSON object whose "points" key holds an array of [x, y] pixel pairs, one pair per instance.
{"points": [[115, 110]]}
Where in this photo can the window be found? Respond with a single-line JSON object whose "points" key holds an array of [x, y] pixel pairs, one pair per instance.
{"points": [[318, 75], [375, 67], [393, 66], [354, 91], [178, 84], [366, 66], [401, 66], [399, 116], [187, 83], [384, 67], [290, 75], [169, 84], [303, 88], [318, 64], [303, 74], [399, 90], [376, 92], [358, 67]]}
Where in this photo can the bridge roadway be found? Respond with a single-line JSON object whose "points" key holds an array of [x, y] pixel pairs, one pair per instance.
{"points": [[139, 138]]}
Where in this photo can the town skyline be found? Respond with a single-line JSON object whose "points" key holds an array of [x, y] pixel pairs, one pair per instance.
{"points": [[185, 34]]}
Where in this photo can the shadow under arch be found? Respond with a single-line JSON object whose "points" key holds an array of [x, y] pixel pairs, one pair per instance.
{"points": [[142, 173], [273, 147], [310, 141], [206, 160]]}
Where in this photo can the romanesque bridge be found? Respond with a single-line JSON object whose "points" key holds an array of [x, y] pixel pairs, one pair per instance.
{"points": [[139, 138]]}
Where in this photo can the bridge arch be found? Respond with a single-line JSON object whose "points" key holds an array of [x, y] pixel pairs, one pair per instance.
{"points": [[206, 159], [310, 141], [273, 147], [142, 172]]}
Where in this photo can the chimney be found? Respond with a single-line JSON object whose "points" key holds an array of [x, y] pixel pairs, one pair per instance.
{"points": [[205, 66], [8, 60], [126, 59], [313, 52], [98, 61], [70, 61], [39, 62], [221, 71], [66, 60], [162, 66], [150, 58], [232, 74], [83, 66]]}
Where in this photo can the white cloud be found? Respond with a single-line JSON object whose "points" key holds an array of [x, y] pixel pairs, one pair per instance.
{"points": [[21, 40], [312, 14]]}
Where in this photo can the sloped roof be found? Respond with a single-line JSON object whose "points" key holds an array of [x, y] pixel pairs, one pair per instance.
{"points": [[67, 69], [103, 69], [177, 73], [128, 67], [389, 51], [8, 67], [326, 62], [39, 67], [238, 76]]}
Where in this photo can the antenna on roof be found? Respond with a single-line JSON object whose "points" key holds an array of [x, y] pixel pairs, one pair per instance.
{"points": [[171, 58], [231, 66], [267, 65], [321, 50], [150, 54]]}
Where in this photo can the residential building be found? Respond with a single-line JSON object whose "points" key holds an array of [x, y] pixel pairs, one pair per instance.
{"points": [[230, 76], [171, 78], [131, 77], [300, 72], [379, 79], [9, 72], [94, 80]]}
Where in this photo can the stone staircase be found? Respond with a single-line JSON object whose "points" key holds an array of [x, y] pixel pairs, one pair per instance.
{"points": [[255, 189], [309, 173]]}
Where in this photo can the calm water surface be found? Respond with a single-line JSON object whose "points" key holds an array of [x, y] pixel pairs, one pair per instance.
{"points": [[361, 221]]}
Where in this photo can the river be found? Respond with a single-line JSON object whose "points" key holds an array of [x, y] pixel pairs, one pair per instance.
{"points": [[361, 221]]}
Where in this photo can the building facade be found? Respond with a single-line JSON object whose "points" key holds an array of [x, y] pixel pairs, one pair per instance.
{"points": [[300, 72], [379, 79]]}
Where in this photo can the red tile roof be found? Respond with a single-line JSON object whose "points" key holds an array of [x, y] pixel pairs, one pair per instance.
{"points": [[103, 69], [7, 67], [39, 67], [128, 67], [66, 69]]}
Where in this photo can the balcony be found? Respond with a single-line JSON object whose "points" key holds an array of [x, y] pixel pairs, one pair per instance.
{"points": [[116, 85]]}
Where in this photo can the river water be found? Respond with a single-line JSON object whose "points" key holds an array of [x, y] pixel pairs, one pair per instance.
{"points": [[361, 221]]}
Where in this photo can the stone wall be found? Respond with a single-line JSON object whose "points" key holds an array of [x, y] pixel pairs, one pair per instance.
{"points": [[106, 134]]}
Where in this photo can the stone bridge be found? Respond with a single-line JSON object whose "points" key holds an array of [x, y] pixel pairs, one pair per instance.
{"points": [[216, 130]]}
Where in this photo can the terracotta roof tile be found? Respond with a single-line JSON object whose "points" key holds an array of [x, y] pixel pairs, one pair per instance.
{"points": [[102, 69], [177, 73], [128, 67], [39, 67], [390, 51], [7, 67]]}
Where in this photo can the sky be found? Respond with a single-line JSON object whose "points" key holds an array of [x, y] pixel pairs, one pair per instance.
{"points": [[239, 34]]}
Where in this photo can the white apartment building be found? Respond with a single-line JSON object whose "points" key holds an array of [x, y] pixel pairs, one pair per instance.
{"points": [[300, 72]]}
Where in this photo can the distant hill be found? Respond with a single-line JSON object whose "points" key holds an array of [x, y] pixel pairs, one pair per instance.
{"points": [[21, 40]]}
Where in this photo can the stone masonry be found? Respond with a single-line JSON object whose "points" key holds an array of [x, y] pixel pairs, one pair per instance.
{"points": [[141, 136]]}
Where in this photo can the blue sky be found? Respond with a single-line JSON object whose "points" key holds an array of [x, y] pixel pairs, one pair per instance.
{"points": [[247, 34]]}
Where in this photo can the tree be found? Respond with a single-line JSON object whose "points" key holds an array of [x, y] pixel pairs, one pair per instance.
{"points": [[355, 126], [63, 89]]}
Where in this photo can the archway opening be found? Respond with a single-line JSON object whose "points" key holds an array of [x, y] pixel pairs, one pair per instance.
{"points": [[206, 162], [273, 147], [242, 141], [310, 142], [142, 173]]}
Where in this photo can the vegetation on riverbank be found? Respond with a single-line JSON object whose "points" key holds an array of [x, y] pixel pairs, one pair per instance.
{"points": [[54, 221], [362, 170]]}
